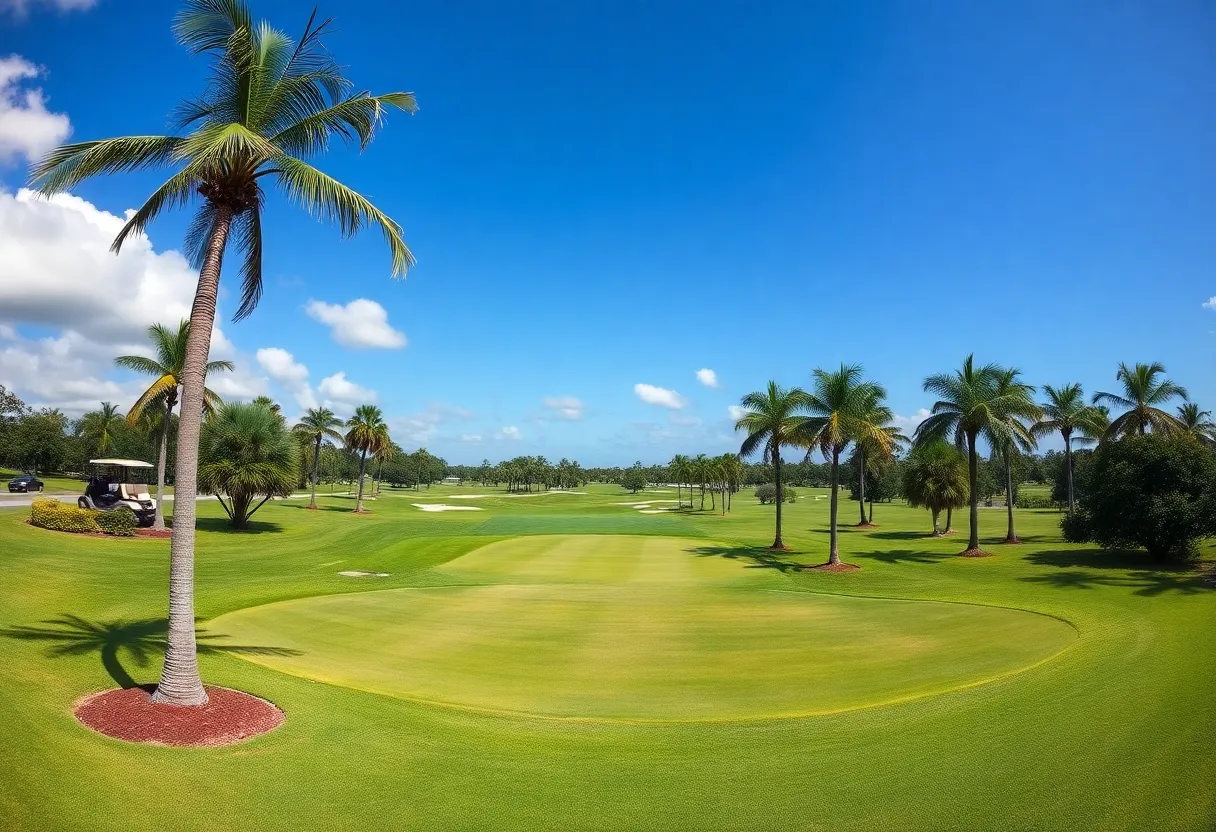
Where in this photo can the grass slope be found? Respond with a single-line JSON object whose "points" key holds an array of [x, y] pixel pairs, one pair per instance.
{"points": [[1113, 733]]}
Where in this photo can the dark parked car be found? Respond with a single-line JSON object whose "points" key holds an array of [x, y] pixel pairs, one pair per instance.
{"points": [[25, 482]]}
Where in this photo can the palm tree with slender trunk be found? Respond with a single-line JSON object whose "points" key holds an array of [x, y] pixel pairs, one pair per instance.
{"points": [[935, 478], [318, 425], [367, 434], [1197, 423], [1009, 433], [99, 426], [1065, 412], [771, 418], [844, 408], [1145, 389], [271, 103], [161, 397], [968, 403]]}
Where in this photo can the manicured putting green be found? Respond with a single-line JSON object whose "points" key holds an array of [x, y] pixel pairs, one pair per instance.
{"points": [[639, 628]]}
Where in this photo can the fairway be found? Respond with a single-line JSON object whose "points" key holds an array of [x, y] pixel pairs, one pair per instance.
{"points": [[632, 628]]}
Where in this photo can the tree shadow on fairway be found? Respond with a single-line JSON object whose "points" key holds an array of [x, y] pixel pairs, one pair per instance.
{"points": [[907, 556], [903, 536], [221, 524], [142, 639], [304, 507], [761, 557], [1089, 568]]}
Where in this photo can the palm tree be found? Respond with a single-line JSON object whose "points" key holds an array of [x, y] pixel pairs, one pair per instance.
{"points": [[318, 424], [1197, 423], [935, 477], [1065, 411], [969, 405], [1144, 390], [773, 417], [844, 408], [270, 103], [168, 367], [872, 458], [386, 453], [1008, 434], [366, 433], [99, 426], [246, 452]]}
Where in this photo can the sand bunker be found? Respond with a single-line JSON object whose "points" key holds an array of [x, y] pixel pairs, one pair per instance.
{"points": [[359, 573], [655, 510], [442, 507], [468, 496]]}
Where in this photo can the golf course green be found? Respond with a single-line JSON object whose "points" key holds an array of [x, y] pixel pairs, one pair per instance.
{"points": [[568, 661]]}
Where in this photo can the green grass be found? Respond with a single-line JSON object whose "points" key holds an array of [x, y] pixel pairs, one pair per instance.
{"points": [[1102, 723]]}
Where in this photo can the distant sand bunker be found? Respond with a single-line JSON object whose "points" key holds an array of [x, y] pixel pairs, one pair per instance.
{"points": [[360, 573], [442, 507]]}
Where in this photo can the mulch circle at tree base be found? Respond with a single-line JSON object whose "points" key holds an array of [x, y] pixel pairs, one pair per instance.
{"points": [[130, 714], [975, 553], [833, 567]]}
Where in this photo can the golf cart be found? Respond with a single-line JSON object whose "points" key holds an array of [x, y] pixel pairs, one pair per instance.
{"points": [[114, 483]]}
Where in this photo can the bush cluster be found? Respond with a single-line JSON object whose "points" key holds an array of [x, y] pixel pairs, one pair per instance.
{"points": [[65, 517], [1035, 501], [767, 493]]}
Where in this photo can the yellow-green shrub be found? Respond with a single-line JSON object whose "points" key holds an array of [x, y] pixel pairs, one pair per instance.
{"points": [[120, 521], [63, 517]]}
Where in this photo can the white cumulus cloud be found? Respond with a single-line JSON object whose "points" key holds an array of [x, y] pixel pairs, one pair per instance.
{"points": [[908, 424], [362, 324], [1211, 303], [565, 407], [282, 366], [340, 394], [470, 437], [707, 377], [735, 412], [660, 396], [27, 128], [510, 432]]}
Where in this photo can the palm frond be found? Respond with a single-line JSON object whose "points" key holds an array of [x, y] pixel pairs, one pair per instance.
{"points": [[355, 120], [70, 164], [156, 392], [142, 364], [176, 192], [248, 240]]}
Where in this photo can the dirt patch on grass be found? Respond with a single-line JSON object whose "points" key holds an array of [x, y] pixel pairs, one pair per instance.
{"points": [[866, 526], [130, 714]]}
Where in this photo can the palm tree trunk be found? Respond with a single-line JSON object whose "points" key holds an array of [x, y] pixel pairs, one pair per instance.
{"points": [[936, 531], [949, 520], [871, 518], [834, 549], [1011, 535], [362, 470], [180, 683], [159, 522], [1068, 464], [777, 544], [973, 465], [861, 491], [316, 458]]}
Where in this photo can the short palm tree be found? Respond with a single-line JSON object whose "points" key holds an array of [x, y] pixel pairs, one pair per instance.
{"points": [[773, 417], [245, 452], [968, 405], [271, 103], [844, 408], [935, 477], [366, 433], [1197, 423], [1066, 412], [1010, 433], [318, 424], [1145, 389], [99, 426], [168, 367]]}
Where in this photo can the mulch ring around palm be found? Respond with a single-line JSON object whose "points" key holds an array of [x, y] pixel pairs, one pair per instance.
{"points": [[832, 567], [130, 714]]}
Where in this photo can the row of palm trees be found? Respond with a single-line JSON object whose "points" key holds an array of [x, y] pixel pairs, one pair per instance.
{"points": [[366, 434], [988, 403], [718, 475]]}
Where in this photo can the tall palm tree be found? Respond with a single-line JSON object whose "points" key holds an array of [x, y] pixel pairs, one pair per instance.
{"points": [[773, 417], [318, 424], [1066, 412], [968, 404], [270, 103], [1009, 433], [386, 453], [702, 472], [366, 433], [99, 426], [873, 458], [1144, 389], [1197, 423], [844, 408], [168, 367], [935, 477]]}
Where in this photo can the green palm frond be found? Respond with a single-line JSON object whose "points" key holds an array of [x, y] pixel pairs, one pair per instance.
{"points": [[157, 392]]}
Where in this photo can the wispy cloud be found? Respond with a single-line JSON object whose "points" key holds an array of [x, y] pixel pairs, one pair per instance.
{"points": [[1211, 303], [565, 407], [660, 396]]}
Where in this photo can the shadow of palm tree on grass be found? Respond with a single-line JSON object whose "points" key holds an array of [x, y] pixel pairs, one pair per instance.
{"points": [[908, 556], [141, 640], [221, 524], [1089, 568], [760, 556]]}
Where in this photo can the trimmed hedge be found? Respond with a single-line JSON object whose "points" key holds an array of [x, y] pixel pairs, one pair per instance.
{"points": [[65, 517], [1035, 501]]}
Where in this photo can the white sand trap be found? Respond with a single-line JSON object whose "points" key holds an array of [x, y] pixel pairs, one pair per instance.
{"points": [[543, 493], [469, 496], [359, 573], [442, 507], [654, 510], [645, 503]]}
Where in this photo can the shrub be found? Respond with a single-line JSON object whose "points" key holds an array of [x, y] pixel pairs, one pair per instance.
{"points": [[1035, 501], [789, 493], [767, 493], [1154, 492], [1074, 526], [120, 521], [63, 517]]}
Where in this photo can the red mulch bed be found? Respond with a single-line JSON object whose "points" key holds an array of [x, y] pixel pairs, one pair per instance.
{"points": [[129, 714], [833, 567], [975, 553], [154, 532]]}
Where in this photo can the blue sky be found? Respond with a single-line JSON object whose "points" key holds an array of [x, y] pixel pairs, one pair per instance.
{"points": [[602, 195]]}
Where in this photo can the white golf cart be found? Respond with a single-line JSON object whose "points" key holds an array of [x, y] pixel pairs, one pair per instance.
{"points": [[117, 482]]}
